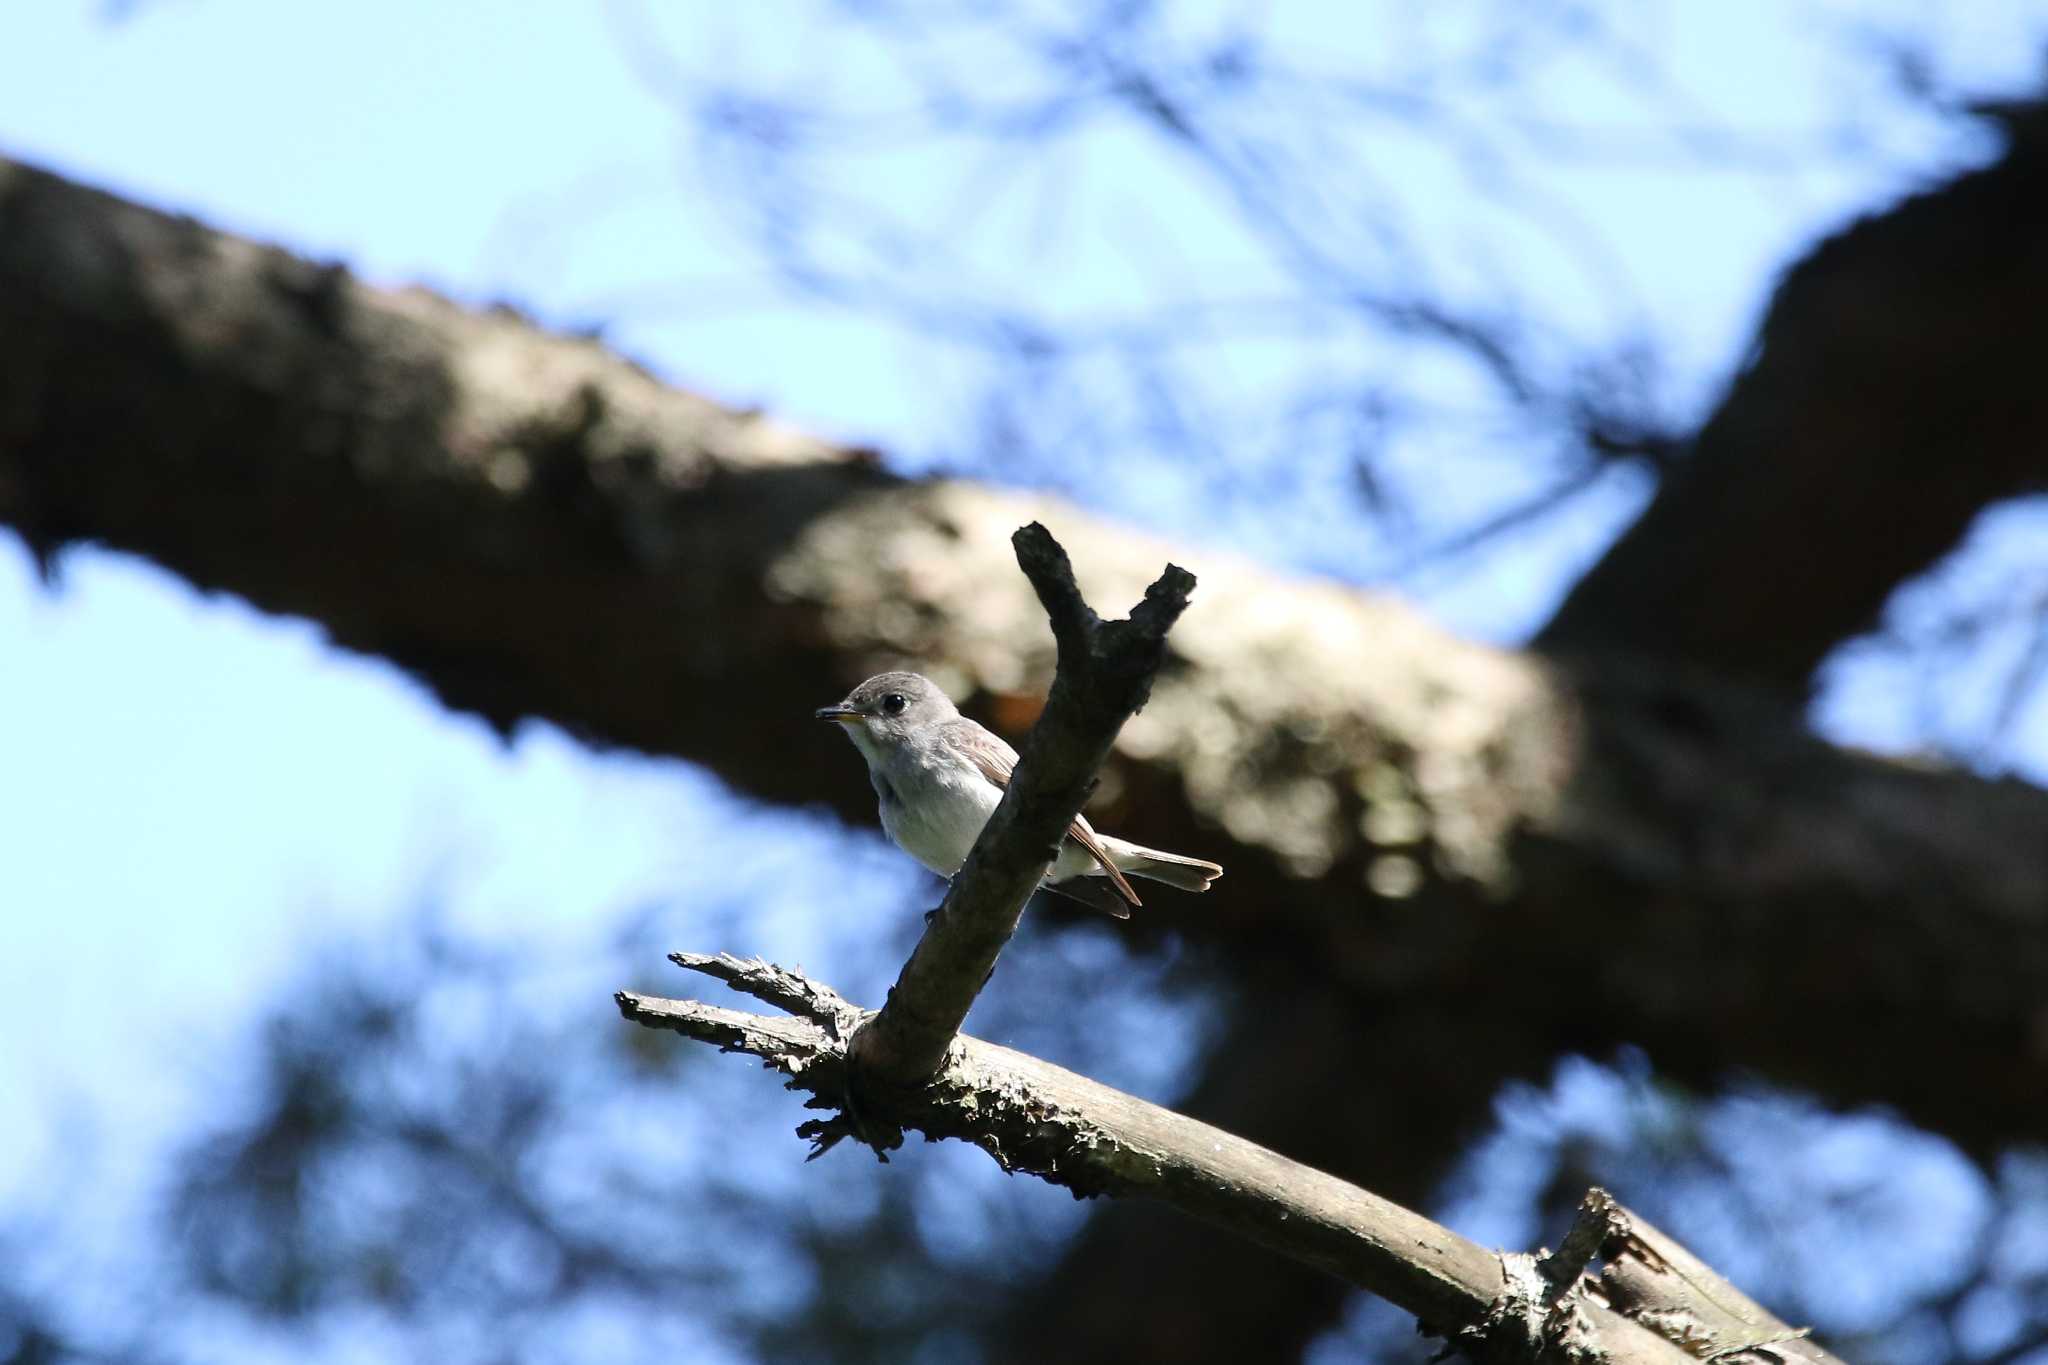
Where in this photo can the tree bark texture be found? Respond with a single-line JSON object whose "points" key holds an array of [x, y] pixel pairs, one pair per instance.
{"points": [[1034, 1118], [1448, 863]]}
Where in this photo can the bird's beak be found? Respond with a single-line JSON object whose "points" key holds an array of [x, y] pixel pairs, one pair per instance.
{"points": [[840, 712]]}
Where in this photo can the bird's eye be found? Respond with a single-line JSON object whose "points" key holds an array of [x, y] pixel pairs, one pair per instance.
{"points": [[894, 703]]}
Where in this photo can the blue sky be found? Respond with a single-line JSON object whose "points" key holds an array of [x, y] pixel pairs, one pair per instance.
{"points": [[197, 794]]}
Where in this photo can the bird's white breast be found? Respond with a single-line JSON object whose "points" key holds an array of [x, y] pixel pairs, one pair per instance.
{"points": [[938, 813]]}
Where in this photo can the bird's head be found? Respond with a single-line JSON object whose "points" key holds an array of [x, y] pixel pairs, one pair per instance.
{"points": [[885, 710]]}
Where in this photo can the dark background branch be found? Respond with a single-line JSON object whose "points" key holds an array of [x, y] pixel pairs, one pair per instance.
{"points": [[536, 528], [622, 558], [1889, 399]]}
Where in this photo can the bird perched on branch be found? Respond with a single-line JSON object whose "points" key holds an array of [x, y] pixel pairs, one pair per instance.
{"points": [[940, 775]]}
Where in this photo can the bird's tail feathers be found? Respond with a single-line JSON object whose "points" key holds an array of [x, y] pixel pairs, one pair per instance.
{"points": [[1188, 874]]}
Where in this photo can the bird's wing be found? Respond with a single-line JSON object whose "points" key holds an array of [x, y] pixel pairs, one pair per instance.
{"points": [[997, 760]]}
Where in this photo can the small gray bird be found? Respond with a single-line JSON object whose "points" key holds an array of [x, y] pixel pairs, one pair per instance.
{"points": [[940, 775]]}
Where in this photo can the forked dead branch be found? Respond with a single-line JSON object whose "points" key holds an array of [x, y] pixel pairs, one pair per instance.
{"points": [[907, 1067]]}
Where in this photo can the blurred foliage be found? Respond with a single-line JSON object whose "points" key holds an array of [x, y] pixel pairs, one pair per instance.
{"points": [[1185, 238], [1262, 260], [429, 1152], [429, 1159]]}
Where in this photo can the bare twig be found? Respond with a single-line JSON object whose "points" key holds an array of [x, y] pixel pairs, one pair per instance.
{"points": [[789, 991]]}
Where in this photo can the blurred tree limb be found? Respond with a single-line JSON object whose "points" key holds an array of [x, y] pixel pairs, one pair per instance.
{"points": [[1443, 850], [1892, 394]]}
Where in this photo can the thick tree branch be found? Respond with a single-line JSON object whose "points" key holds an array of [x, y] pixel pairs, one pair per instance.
{"points": [[1892, 395], [1425, 836], [537, 528], [1104, 674]]}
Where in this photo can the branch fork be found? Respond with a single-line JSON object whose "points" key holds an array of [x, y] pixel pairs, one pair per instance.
{"points": [[908, 1067]]}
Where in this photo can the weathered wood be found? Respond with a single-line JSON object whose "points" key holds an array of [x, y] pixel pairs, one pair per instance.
{"points": [[1035, 1118]]}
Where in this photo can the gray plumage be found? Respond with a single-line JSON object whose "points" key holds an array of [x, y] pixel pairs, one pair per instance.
{"points": [[939, 776]]}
